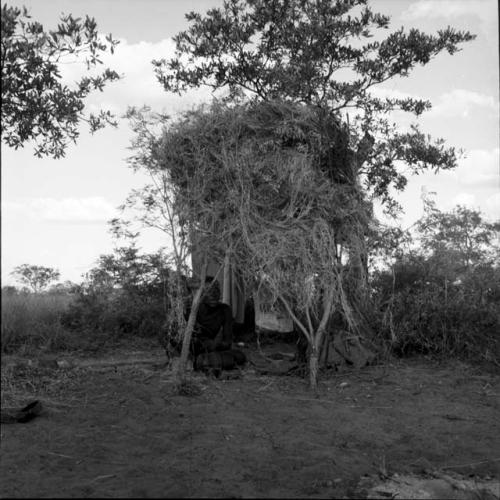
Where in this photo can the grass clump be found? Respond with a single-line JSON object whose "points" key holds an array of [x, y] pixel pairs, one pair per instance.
{"points": [[187, 387]]}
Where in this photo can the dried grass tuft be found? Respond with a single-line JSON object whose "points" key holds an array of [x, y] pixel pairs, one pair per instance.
{"points": [[187, 387]]}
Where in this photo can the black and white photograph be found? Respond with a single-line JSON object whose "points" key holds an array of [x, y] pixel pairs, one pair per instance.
{"points": [[250, 249]]}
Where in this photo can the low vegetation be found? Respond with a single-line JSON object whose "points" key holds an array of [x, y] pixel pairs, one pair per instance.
{"points": [[422, 311], [426, 299], [33, 321], [124, 294], [443, 296]]}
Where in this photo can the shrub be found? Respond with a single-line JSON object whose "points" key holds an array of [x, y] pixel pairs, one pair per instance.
{"points": [[125, 294], [421, 310]]}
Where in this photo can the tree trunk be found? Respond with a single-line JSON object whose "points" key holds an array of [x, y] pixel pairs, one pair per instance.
{"points": [[226, 281], [313, 368], [186, 341]]}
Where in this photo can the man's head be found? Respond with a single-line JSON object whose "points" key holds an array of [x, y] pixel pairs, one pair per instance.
{"points": [[211, 294]]}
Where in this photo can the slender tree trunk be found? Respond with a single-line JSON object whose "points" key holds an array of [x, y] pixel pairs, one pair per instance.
{"points": [[313, 368], [226, 284], [314, 357], [186, 341], [317, 338]]}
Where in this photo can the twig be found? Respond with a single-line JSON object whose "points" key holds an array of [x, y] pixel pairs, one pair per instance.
{"points": [[148, 377], [372, 407], [106, 476], [266, 386], [471, 464], [60, 455]]}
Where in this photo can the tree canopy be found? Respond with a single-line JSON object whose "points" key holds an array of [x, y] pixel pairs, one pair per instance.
{"points": [[460, 237], [36, 105], [325, 53], [299, 50], [36, 277]]}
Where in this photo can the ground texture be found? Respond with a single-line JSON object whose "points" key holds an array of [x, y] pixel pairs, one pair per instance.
{"points": [[114, 429]]}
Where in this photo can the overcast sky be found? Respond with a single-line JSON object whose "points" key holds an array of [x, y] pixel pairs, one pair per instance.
{"points": [[54, 212]]}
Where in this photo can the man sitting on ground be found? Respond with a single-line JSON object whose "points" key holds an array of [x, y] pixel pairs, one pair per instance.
{"points": [[213, 330]]}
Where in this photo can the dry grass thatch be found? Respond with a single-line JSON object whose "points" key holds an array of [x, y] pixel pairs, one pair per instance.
{"points": [[274, 185], [280, 176]]}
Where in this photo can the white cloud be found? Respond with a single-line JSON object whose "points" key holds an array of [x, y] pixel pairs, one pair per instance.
{"points": [[441, 8], [458, 102], [139, 85], [466, 199], [90, 209], [492, 206], [480, 168], [484, 10], [461, 102]]}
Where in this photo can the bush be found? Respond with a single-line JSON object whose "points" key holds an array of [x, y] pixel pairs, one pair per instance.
{"points": [[126, 294], [115, 312], [421, 310]]}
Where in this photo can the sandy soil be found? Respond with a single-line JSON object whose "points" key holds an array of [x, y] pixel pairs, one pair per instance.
{"points": [[122, 431]]}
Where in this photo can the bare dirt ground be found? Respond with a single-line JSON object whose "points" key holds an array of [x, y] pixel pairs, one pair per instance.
{"points": [[112, 429]]}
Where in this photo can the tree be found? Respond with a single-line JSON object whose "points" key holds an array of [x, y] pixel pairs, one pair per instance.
{"points": [[67, 287], [126, 269], [125, 292], [176, 202], [461, 235], [36, 277], [36, 105], [9, 290], [318, 53]]}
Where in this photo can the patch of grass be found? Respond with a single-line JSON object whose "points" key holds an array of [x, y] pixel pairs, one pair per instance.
{"points": [[21, 382], [32, 321], [32, 325]]}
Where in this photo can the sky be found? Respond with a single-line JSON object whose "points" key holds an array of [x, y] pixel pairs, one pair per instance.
{"points": [[55, 212]]}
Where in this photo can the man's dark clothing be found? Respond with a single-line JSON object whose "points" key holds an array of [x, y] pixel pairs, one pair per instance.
{"points": [[213, 330]]}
